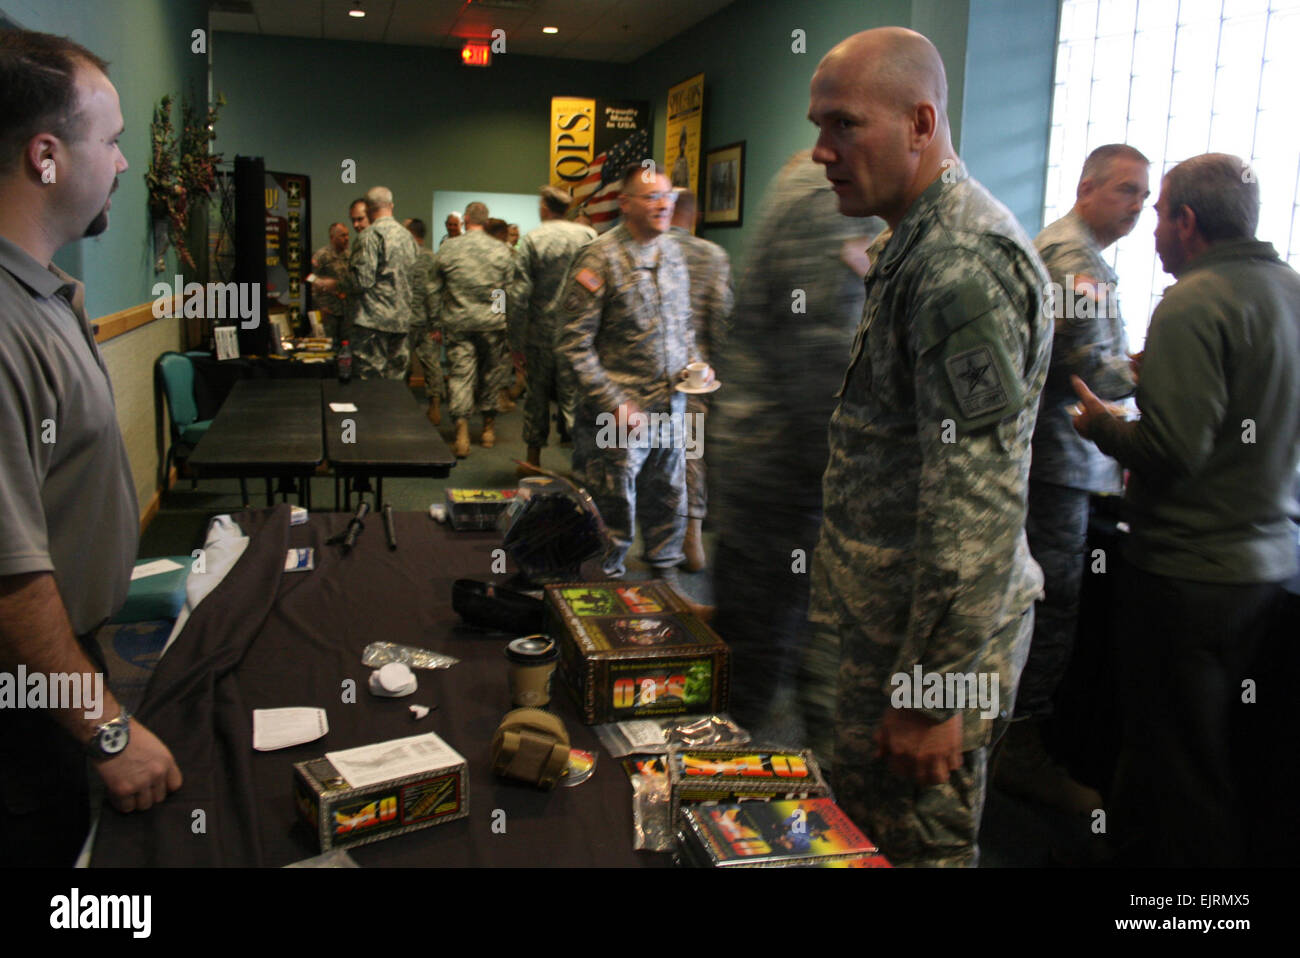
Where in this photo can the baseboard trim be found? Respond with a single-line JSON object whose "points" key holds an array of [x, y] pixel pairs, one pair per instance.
{"points": [[154, 504]]}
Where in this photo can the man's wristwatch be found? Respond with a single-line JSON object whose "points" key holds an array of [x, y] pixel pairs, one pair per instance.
{"points": [[111, 738]]}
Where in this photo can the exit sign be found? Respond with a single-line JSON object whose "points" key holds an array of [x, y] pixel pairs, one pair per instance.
{"points": [[476, 55]]}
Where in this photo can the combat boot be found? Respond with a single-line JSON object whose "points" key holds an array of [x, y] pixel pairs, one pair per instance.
{"points": [[1025, 770], [694, 545], [435, 413], [489, 433], [517, 389], [461, 447]]}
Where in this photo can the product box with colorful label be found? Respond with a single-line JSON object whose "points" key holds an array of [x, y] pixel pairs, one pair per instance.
{"points": [[477, 509], [776, 834], [737, 773], [365, 794], [635, 650]]}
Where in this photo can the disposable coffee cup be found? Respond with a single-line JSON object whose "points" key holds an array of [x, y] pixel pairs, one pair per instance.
{"points": [[532, 663], [697, 375]]}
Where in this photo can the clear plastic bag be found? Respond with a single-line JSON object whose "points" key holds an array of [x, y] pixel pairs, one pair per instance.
{"points": [[654, 736], [382, 653]]}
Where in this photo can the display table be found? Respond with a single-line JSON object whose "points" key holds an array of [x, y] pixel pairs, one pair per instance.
{"points": [[269, 428], [389, 435], [268, 639]]}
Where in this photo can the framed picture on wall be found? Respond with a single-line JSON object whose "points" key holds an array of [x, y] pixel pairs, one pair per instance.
{"points": [[724, 181]]}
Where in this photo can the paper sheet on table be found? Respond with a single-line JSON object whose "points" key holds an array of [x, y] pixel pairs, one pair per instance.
{"points": [[281, 728], [157, 567], [382, 761], [343, 407]]}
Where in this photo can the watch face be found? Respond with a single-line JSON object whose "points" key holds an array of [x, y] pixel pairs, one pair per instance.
{"points": [[114, 738]]}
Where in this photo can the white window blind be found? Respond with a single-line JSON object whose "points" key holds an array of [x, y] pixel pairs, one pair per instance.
{"points": [[1175, 78]]}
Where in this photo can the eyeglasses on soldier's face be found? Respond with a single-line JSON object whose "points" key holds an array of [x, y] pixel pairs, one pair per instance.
{"points": [[665, 197]]}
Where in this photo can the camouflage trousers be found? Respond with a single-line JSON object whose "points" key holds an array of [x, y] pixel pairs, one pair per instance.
{"points": [[380, 355], [1057, 529], [335, 326], [429, 354], [914, 825], [475, 379], [646, 482], [550, 380], [696, 483]]}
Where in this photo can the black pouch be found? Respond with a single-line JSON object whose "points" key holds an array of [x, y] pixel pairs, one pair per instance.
{"points": [[495, 607]]}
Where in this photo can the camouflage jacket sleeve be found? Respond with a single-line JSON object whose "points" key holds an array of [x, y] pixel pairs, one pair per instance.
{"points": [[583, 296], [519, 292], [1089, 340], [978, 348], [420, 302], [721, 301], [433, 291], [363, 264]]}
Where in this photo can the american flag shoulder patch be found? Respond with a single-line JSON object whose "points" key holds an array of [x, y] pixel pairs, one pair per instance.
{"points": [[589, 280]]}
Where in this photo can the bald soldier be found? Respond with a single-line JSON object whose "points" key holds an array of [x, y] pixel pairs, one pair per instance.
{"points": [[922, 563], [379, 278]]}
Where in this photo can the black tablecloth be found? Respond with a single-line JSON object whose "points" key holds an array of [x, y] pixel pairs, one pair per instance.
{"points": [[269, 639]]}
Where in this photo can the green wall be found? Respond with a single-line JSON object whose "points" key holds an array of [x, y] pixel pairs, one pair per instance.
{"points": [[412, 118], [1009, 72], [998, 55], [147, 45]]}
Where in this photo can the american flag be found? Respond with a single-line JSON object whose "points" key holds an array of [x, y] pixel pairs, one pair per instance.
{"points": [[597, 195]]}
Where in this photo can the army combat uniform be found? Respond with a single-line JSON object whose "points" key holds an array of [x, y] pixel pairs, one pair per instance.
{"points": [[379, 278], [797, 306], [329, 263], [628, 336], [423, 326], [468, 288], [711, 303], [922, 559], [540, 267], [1090, 343]]}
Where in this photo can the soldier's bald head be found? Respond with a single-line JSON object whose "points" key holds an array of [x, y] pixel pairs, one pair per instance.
{"points": [[893, 66]]}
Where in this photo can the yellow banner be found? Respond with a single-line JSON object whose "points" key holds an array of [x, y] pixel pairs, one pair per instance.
{"points": [[682, 149], [573, 139]]}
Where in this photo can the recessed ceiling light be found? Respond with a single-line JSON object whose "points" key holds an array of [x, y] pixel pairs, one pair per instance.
{"points": [[357, 10], [550, 29]]}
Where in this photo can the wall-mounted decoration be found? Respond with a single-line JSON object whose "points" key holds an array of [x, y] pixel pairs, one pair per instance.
{"points": [[682, 147], [591, 142], [724, 181]]}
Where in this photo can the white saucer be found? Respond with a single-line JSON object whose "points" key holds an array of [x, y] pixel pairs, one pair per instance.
{"points": [[710, 388]]}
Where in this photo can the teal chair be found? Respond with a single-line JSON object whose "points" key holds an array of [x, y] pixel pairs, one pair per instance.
{"points": [[175, 375]]}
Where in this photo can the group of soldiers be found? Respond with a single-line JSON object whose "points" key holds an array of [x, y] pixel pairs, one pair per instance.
{"points": [[395, 301], [930, 516]]}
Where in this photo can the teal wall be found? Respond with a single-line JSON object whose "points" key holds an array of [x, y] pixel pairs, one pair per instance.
{"points": [[1011, 53], [755, 86], [147, 45], [998, 55], [412, 118]]}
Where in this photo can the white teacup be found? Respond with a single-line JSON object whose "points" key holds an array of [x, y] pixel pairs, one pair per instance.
{"points": [[698, 375]]}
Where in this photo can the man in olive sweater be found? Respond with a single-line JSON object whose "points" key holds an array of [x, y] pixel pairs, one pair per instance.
{"points": [[1211, 499]]}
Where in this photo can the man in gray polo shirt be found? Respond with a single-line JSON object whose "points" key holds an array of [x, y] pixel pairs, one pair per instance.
{"points": [[68, 516]]}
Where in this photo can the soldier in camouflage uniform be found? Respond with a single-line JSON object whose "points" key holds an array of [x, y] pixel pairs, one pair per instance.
{"points": [[331, 262], [922, 560], [540, 267], [711, 303], [798, 302], [468, 291], [628, 336], [1089, 342], [379, 283], [426, 338]]}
